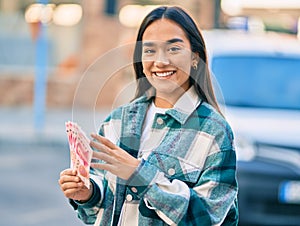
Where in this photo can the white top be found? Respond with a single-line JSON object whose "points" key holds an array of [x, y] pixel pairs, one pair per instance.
{"points": [[152, 110]]}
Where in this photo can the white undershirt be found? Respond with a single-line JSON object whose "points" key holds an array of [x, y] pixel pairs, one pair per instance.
{"points": [[152, 110]]}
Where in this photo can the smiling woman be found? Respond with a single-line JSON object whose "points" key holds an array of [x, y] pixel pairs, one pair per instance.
{"points": [[167, 59], [168, 157]]}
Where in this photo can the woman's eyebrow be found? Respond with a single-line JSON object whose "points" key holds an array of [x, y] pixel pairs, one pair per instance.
{"points": [[148, 44], [173, 40]]}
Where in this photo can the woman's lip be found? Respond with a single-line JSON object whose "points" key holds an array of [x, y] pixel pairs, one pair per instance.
{"points": [[163, 74]]}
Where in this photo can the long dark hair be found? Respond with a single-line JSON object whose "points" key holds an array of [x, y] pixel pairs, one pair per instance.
{"points": [[200, 77]]}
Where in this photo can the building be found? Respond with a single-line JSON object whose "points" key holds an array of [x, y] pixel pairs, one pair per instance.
{"points": [[80, 40]]}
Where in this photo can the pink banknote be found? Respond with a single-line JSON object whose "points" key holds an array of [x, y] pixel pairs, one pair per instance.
{"points": [[80, 151]]}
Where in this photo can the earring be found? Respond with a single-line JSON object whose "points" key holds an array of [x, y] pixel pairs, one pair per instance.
{"points": [[195, 65]]}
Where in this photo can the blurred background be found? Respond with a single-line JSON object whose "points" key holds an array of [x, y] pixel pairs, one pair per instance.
{"points": [[46, 48], [75, 33]]}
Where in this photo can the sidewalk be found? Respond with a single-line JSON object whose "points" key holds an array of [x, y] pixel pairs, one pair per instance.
{"points": [[17, 125]]}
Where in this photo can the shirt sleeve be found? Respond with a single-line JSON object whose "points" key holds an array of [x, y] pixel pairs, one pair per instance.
{"points": [[205, 202], [87, 211]]}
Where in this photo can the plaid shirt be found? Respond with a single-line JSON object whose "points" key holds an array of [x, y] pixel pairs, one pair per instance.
{"points": [[189, 177]]}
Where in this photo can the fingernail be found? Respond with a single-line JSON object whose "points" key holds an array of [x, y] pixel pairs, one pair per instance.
{"points": [[93, 134]]}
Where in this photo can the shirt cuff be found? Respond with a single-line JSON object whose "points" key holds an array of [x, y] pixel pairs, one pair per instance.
{"points": [[142, 178], [94, 199]]}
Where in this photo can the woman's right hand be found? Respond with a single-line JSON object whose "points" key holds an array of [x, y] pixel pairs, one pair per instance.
{"points": [[73, 187]]}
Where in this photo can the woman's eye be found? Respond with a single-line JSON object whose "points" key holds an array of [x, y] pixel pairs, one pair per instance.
{"points": [[149, 51], [174, 49]]}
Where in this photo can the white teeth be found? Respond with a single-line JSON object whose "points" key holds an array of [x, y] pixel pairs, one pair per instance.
{"points": [[163, 74]]}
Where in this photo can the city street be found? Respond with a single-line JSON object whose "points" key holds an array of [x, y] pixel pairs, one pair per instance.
{"points": [[30, 163], [30, 194]]}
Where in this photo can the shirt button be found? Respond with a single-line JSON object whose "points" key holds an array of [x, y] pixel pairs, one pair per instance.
{"points": [[133, 189], [171, 171], [129, 198], [159, 121]]}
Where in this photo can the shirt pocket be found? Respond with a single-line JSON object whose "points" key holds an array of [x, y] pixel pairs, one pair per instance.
{"points": [[176, 168]]}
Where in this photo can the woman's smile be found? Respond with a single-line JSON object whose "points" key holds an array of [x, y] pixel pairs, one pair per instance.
{"points": [[163, 74]]}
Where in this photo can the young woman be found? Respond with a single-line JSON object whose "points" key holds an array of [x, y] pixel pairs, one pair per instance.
{"points": [[166, 158]]}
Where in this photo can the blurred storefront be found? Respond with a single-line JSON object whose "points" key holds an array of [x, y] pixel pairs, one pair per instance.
{"points": [[275, 15], [72, 46], [21, 22], [78, 32]]}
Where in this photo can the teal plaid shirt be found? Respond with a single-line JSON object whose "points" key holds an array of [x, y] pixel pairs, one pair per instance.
{"points": [[189, 178]]}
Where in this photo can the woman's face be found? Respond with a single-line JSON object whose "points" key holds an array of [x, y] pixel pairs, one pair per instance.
{"points": [[167, 58]]}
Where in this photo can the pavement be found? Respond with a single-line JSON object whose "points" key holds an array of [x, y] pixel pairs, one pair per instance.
{"points": [[31, 160], [18, 125]]}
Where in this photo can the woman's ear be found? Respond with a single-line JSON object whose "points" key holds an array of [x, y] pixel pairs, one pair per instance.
{"points": [[195, 56], [195, 59]]}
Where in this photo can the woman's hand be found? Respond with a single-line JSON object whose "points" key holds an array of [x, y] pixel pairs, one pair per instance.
{"points": [[73, 187], [117, 161]]}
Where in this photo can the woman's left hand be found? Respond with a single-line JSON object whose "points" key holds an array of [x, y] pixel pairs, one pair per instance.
{"points": [[117, 161]]}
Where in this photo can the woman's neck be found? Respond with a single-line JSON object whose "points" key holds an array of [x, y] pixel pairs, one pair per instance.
{"points": [[163, 103], [167, 100]]}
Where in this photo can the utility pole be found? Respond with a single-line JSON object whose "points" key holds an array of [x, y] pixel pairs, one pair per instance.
{"points": [[40, 75], [217, 13], [111, 7]]}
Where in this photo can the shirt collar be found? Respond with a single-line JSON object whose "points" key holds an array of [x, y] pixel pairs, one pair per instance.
{"points": [[185, 105]]}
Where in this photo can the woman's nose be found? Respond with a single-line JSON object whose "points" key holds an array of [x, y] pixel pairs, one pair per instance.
{"points": [[161, 59]]}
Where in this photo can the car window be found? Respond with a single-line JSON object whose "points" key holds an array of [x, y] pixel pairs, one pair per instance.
{"points": [[259, 81]]}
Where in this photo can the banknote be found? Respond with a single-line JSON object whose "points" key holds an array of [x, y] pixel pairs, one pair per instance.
{"points": [[80, 151]]}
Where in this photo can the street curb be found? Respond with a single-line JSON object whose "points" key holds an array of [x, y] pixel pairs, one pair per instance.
{"points": [[37, 141]]}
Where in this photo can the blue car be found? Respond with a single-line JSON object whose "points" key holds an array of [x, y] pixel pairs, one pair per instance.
{"points": [[258, 81]]}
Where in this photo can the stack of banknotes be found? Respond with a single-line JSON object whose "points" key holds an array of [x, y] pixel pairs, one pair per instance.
{"points": [[80, 151]]}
